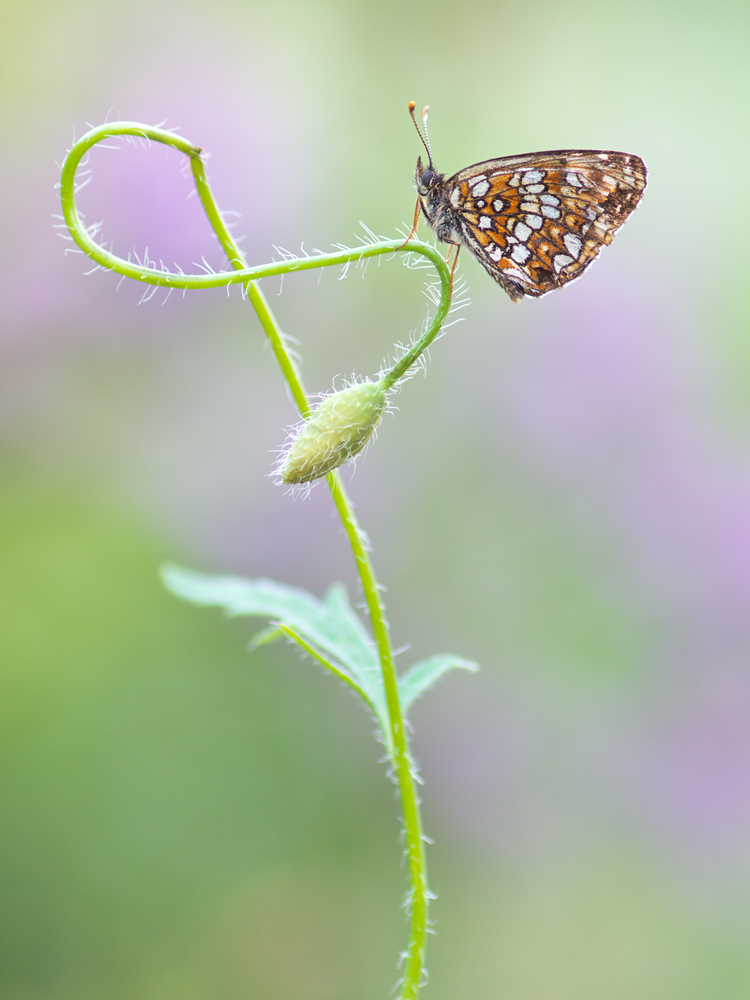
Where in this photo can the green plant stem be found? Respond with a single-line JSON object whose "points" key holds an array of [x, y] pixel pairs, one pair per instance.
{"points": [[252, 288], [402, 761], [403, 765]]}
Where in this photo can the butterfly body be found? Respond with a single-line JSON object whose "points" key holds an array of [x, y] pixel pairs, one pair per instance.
{"points": [[535, 221]]}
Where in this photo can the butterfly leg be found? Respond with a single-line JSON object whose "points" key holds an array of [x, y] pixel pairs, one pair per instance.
{"points": [[455, 260], [414, 225]]}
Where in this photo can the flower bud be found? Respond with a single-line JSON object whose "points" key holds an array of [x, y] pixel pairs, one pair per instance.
{"points": [[336, 430]]}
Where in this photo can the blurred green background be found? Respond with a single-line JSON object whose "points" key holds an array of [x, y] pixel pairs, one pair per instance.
{"points": [[565, 498]]}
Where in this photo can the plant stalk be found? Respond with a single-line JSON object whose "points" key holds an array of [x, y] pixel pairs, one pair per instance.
{"points": [[402, 762]]}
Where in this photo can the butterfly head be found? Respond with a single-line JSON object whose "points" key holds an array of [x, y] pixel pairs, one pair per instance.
{"points": [[426, 179]]}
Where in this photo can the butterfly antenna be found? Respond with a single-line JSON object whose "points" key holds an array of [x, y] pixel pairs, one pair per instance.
{"points": [[425, 139]]}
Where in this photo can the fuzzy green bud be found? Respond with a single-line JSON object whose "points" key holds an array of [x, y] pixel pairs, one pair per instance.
{"points": [[336, 430]]}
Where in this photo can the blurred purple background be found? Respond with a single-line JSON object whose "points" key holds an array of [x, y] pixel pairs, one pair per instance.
{"points": [[565, 498]]}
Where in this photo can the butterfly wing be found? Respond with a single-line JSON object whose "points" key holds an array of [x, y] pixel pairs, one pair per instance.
{"points": [[536, 221]]}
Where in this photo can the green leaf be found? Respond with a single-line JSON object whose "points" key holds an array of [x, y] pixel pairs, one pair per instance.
{"points": [[418, 678], [328, 630]]}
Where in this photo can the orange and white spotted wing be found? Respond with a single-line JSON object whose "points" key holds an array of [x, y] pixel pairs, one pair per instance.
{"points": [[536, 221]]}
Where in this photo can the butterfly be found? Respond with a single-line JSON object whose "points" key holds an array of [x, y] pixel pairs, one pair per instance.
{"points": [[534, 221]]}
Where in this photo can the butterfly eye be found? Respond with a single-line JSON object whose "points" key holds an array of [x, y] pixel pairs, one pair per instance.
{"points": [[428, 177]]}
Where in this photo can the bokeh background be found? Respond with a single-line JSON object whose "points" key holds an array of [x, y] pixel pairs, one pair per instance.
{"points": [[564, 498]]}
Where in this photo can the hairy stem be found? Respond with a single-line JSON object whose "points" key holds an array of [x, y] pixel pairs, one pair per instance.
{"points": [[402, 761], [248, 276]]}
